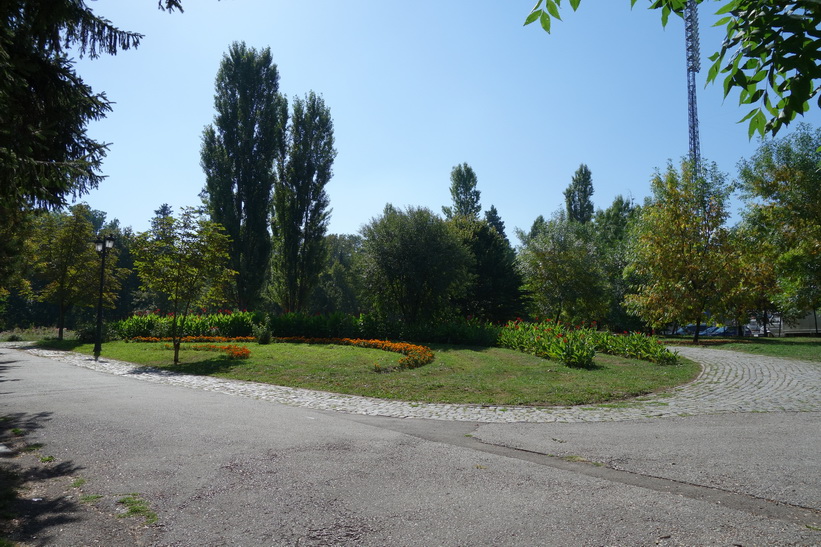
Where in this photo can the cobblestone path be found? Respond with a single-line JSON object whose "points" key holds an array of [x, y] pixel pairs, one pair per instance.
{"points": [[730, 382]]}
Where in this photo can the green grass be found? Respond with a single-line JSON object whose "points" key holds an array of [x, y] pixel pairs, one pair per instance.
{"points": [[491, 376], [34, 334], [90, 498], [137, 507], [805, 349]]}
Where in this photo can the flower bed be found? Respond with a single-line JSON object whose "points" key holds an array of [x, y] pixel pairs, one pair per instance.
{"points": [[414, 356], [194, 339]]}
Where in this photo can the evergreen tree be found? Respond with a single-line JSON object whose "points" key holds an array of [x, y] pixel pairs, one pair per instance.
{"points": [[577, 196], [495, 221], [239, 151], [464, 193], [494, 292], [46, 155], [612, 229], [300, 205], [340, 283]]}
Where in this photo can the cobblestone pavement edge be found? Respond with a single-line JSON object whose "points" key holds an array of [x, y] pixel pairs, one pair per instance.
{"points": [[729, 382]]}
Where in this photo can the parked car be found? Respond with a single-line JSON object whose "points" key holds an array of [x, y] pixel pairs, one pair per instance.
{"points": [[728, 331], [689, 330]]}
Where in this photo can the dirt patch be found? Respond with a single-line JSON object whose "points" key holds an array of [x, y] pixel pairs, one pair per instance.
{"points": [[44, 501]]}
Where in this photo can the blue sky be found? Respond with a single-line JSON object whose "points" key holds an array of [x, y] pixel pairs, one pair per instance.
{"points": [[415, 88]]}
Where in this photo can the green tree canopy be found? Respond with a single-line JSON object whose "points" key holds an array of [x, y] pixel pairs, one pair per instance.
{"points": [[301, 214], [680, 253], [771, 53], [494, 293], [65, 266], [781, 185], [46, 154], [339, 286], [562, 271], [612, 227], [416, 267], [184, 259], [577, 196], [464, 193], [239, 152], [495, 221]]}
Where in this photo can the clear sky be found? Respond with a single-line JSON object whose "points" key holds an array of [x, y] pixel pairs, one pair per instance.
{"points": [[415, 88]]}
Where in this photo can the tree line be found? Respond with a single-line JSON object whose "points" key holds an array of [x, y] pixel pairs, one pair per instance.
{"points": [[267, 160], [670, 260]]}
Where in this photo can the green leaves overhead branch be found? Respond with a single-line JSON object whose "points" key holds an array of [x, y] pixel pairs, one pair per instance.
{"points": [[770, 54]]}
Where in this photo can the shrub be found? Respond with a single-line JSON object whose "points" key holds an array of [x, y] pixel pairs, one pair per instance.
{"points": [[577, 347]]}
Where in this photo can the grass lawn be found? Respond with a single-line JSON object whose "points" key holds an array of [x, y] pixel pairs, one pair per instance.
{"points": [[459, 374], [805, 349]]}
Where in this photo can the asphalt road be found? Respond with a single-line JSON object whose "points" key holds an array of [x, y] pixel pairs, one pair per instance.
{"points": [[226, 470]]}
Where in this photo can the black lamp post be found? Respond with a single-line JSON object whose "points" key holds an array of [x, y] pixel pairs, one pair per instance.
{"points": [[102, 245]]}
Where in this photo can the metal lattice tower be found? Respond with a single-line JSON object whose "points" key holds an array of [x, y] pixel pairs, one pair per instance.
{"points": [[693, 66]]}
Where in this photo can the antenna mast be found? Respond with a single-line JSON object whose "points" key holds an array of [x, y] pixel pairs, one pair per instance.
{"points": [[693, 66]]}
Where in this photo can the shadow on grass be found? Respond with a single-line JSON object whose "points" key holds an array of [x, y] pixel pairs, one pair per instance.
{"points": [[64, 345], [23, 518]]}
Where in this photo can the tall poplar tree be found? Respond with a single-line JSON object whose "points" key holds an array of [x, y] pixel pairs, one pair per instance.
{"points": [[239, 153], [300, 205], [464, 193], [577, 196]]}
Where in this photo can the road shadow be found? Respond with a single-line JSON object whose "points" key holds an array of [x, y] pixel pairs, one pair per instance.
{"points": [[32, 504]]}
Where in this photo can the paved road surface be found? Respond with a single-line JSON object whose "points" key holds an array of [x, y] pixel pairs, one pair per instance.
{"points": [[229, 468]]}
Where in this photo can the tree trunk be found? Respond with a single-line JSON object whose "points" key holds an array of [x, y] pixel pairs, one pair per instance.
{"points": [[61, 321]]}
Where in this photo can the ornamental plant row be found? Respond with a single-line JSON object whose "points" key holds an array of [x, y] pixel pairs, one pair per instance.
{"points": [[576, 347], [414, 356]]}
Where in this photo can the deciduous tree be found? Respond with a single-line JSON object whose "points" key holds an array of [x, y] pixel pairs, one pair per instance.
{"points": [[416, 267], [680, 251], [65, 266], [186, 260], [770, 53], [239, 153], [612, 232], [577, 196], [464, 193], [782, 190], [562, 273], [301, 214]]}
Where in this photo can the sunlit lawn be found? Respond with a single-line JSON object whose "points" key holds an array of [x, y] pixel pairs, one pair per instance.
{"points": [[459, 374]]}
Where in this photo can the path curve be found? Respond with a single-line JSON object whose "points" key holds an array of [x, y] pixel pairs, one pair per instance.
{"points": [[729, 382]]}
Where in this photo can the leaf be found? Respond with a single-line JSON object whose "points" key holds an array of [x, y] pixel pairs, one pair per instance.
{"points": [[553, 9], [533, 16], [544, 19]]}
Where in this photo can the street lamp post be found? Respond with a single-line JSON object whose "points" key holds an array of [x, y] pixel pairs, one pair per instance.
{"points": [[102, 245]]}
